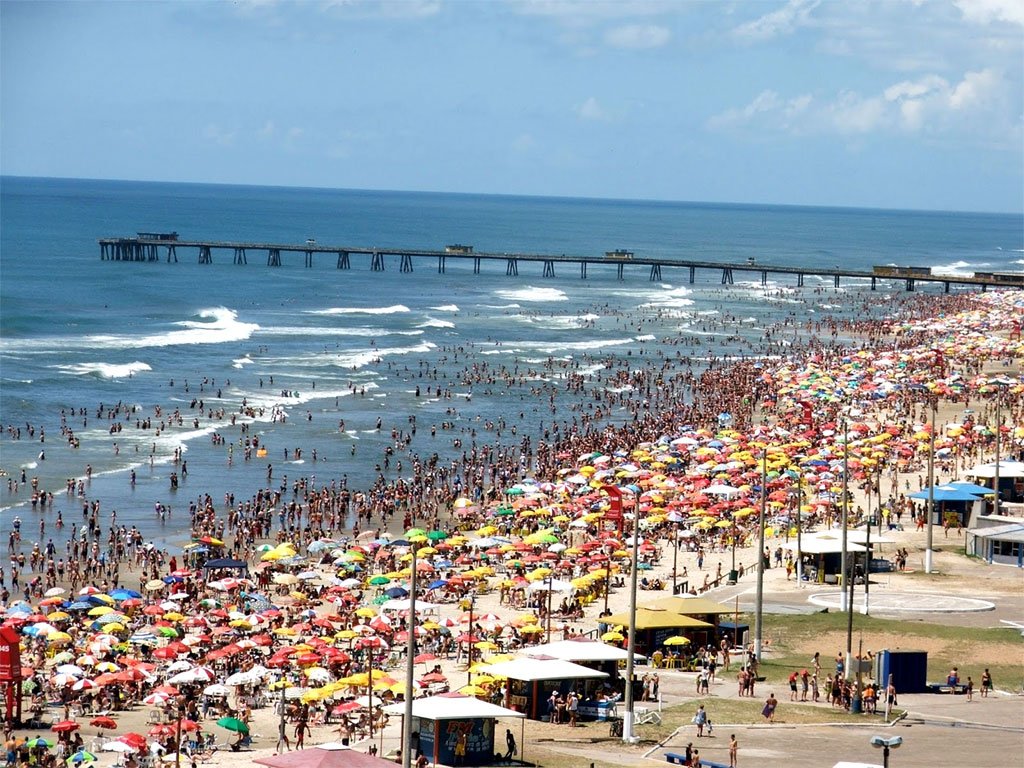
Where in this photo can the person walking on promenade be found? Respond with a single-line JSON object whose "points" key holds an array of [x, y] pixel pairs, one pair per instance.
{"points": [[734, 748], [769, 708], [700, 720]]}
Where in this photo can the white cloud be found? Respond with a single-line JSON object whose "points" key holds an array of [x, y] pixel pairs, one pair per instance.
{"points": [[638, 36], [591, 109], [988, 11], [213, 132], [929, 105], [790, 17]]}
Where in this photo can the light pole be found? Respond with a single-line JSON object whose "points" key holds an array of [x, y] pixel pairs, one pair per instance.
{"points": [[931, 488], [893, 742], [469, 643], [759, 598], [627, 720], [410, 663], [675, 556]]}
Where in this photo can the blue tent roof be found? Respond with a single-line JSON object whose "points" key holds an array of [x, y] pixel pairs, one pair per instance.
{"points": [[944, 493]]}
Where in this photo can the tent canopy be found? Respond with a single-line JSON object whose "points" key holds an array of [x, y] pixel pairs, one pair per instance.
{"points": [[657, 618], [542, 668], [824, 544], [226, 562], [579, 649], [1006, 469], [451, 706], [689, 606], [944, 493], [331, 755]]}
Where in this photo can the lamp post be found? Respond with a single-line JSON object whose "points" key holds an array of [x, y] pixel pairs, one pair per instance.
{"points": [[879, 742], [845, 514], [759, 596], [469, 645], [627, 720], [675, 555], [1000, 383], [799, 532], [931, 489], [177, 732], [410, 655]]}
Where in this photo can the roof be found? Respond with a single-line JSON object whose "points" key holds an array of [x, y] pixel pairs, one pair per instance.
{"points": [[1007, 532], [829, 544], [689, 606], [1006, 469], [452, 706], [331, 755], [657, 618], [542, 668], [579, 649]]}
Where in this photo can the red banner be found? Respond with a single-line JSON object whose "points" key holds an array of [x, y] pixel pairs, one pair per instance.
{"points": [[10, 656]]}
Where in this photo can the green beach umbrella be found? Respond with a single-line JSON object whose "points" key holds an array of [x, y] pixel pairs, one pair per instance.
{"points": [[39, 741], [233, 724], [415, 532], [379, 580], [437, 535]]}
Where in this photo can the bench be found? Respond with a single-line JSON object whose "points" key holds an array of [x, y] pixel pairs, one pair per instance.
{"points": [[676, 759], [947, 688]]}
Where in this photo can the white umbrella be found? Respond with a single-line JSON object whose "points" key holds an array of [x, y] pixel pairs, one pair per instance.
{"points": [[179, 666], [243, 678], [54, 592], [217, 689], [117, 746]]}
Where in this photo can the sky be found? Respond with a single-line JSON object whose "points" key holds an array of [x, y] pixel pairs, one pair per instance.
{"points": [[890, 103]]}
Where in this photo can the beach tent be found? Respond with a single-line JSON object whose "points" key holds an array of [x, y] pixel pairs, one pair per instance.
{"points": [[531, 668], [437, 720], [657, 618], [1006, 469], [579, 649], [330, 755], [226, 562], [945, 493]]}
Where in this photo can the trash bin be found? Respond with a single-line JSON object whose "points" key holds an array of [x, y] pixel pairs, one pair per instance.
{"points": [[734, 576], [855, 705]]}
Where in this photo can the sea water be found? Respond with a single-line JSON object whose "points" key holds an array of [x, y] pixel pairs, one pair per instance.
{"points": [[322, 354]]}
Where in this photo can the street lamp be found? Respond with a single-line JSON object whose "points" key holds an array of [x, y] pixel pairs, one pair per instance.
{"points": [[884, 744]]}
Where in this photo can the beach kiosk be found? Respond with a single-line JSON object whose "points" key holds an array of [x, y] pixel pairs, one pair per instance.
{"points": [[438, 720], [655, 625], [532, 678]]}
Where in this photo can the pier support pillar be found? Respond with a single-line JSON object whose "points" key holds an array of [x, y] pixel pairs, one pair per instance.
{"points": [[377, 262], [240, 257], [693, 275], [945, 287], [103, 251], [406, 264], [727, 276], [172, 254], [835, 281], [205, 256], [309, 258], [440, 265], [476, 265], [583, 270], [874, 283], [764, 277], [274, 257], [621, 268], [549, 268], [343, 260], [800, 280], [512, 267], [655, 272], [910, 284]]}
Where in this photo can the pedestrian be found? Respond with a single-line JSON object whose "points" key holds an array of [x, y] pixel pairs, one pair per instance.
{"points": [[700, 720], [510, 743], [734, 748], [986, 683], [769, 708], [970, 689]]}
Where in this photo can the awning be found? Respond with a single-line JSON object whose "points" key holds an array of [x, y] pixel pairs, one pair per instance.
{"points": [[689, 606], [452, 706], [580, 649], [651, 618], [543, 668]]}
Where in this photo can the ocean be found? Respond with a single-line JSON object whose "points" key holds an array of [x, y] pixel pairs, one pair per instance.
{"points": [[319, 355]]}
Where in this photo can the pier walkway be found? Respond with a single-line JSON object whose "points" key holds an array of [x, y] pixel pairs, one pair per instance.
{"points": [[147, 247]]}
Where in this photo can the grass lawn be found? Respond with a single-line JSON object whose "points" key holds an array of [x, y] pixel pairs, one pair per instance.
{"points": [[790, 643]]}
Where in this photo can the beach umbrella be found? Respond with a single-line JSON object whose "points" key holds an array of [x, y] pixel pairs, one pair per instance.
{"points": [[134, 740], [118, 746], [677, 640], [80, 757], [39, 741], [233, 724], [65, 726], [108, 723], [216, 690], [55, 592]]}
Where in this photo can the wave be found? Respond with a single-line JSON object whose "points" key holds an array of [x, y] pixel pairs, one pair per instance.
{"points": [[446, 308], [550, 347], [105, 370], [392, 310], [302, 330], [217, 325], [958, 268], [669, 298], [362, 359], [533, 293], [558, 322], [431, 322]]}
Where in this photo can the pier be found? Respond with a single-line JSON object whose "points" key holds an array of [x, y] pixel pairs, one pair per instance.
{"points": [[156, 247]]}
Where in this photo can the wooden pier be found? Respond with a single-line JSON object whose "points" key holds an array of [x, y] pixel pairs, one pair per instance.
{"points": [[148, 246]]}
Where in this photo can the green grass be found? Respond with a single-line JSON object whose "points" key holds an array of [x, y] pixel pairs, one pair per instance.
{"points": [[970, 649]]}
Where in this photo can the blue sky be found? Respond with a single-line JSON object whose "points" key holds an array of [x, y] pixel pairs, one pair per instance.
{"points": [[896, 103]]}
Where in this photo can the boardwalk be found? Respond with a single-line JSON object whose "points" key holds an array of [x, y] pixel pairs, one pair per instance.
{"points": [[148, 246]]}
